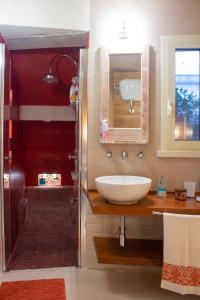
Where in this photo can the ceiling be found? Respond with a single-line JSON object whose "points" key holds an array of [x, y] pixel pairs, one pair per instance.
{"points": [[19, 37]]}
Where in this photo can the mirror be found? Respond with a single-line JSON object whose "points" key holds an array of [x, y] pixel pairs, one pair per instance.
{"points": [[125, 90], [124, 115]]}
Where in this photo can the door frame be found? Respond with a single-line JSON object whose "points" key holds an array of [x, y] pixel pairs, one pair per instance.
{"points": [[82, 156], [2, 237], [82, 165]]}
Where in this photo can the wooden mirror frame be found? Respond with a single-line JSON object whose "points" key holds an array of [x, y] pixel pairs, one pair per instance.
{"points": [[124, 135]]}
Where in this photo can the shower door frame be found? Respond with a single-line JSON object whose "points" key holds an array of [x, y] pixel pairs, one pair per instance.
{"points": [[2, 237], [82, 155], [82, 162]]}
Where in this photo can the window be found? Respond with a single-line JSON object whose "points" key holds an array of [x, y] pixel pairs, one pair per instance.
{"points": [[187, 95], [180, 96]]}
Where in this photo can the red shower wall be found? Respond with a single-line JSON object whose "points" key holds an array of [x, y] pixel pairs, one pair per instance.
{"points": [[28, 68], [46, 144]]}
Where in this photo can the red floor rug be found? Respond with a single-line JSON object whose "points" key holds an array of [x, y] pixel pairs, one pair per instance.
{"points": [[45, 289]]}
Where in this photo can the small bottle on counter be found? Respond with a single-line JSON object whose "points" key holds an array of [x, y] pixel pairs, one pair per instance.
{"points": [[104, 130], [162, 190]]}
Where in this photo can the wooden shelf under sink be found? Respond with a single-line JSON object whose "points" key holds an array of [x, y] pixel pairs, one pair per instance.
{"points": [[144, 207], [135, 252]]}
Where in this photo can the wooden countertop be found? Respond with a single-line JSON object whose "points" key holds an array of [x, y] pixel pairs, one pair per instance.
{"points": [[144, 207]]}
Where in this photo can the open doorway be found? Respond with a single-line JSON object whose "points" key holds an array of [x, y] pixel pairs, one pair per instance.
{"points": [[41, 184]]}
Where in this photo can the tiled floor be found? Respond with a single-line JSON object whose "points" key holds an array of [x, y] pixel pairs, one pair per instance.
{"points": [[83, 284], [49, 236]]}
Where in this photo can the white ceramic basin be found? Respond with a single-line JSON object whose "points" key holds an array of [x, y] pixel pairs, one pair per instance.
{"points": [[123, 189]]}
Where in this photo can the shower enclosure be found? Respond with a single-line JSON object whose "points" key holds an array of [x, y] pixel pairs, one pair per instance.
{"points": [[24, 196]]}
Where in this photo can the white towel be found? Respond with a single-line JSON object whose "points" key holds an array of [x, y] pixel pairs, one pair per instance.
{"points": [[181, 260]]}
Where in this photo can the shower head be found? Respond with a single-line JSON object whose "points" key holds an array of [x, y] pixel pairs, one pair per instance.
{"points": [[49, 78]]}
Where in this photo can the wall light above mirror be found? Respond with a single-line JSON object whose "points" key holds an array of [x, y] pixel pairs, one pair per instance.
{"points": [[124, 92]]}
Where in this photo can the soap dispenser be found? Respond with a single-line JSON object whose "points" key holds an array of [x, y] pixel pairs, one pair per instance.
{"points": [[162, 191]]}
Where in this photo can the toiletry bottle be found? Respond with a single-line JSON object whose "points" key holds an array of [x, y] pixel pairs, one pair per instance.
{"points": [[104, 130], [162, 191], [73, 92]]}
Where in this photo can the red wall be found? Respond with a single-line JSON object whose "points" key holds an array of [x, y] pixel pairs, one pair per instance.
{"points": [[28, 68], [46, 145]]}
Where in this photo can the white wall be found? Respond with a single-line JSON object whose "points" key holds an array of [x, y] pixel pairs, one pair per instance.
{"points": [[63, 14], [146, 20]]}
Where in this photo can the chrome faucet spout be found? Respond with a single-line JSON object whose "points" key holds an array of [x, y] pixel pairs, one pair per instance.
{"points": [[124, 155]]}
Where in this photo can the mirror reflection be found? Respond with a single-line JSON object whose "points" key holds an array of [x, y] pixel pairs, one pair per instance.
{"points": [[125, 90]]}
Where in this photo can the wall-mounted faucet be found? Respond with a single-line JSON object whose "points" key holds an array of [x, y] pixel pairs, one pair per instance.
{"points": [[124, 155]]}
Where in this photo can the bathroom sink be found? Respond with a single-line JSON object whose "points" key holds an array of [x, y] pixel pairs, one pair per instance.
{"points": [[123, 189]]}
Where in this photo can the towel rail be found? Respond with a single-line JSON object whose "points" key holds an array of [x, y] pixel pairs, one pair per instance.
{"points": [[157, 213], [162, 213]]}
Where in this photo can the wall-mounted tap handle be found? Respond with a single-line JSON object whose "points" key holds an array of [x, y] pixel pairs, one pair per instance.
{"points": [[109, 154], [140, 155], [9, 157], [74, 157]]}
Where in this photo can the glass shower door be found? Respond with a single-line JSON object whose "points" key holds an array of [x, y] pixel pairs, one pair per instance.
{"points": [[6, 154]]}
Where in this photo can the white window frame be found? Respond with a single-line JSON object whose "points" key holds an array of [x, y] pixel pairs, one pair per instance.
{"points": [[170, 147]]}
